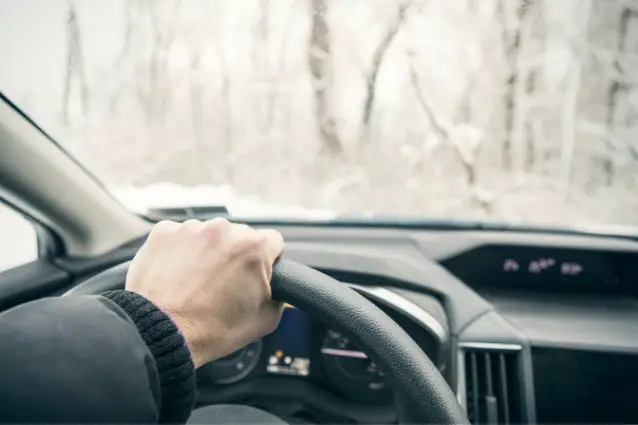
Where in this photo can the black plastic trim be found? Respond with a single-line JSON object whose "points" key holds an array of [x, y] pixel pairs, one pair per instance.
{"points": [[282, 388], [30, 281], [49, 243]]}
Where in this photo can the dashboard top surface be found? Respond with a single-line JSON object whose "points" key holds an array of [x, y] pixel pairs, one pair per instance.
{"points": [[414, 261], [417, 261], [600, 323]]}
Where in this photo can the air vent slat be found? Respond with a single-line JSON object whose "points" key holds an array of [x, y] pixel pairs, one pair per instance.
{"points": [[504, 394], [492, 389], [475, 385], [488, 375]]}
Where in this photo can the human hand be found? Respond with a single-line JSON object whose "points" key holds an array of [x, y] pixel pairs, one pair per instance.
{"points": [[213, 279]]}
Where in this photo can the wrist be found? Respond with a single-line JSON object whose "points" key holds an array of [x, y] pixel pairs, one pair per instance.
{"points": [[173, 361], [191, 339]]}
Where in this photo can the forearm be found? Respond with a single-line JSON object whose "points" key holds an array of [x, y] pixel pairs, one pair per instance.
{"points": [[85, 360]]}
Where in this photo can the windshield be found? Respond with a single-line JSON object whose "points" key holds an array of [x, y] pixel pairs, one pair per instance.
{"points": [[506, 110]]}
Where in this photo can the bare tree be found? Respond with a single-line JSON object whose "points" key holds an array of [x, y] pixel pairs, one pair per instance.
{"points": [[619, 88], [276, 102], [153, 85], [568, 125], [124, 54], [377, 59], [465, 144], [511, 39], [196, 96], [573, 81], [74, 65], [532, 131], [263, 104], [227, 114], [320, 63]]}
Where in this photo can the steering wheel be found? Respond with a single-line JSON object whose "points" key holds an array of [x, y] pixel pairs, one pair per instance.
{"points": [[421, 393]]}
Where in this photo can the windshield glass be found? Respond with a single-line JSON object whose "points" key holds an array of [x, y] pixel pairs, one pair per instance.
{"points": [[506, 110]]}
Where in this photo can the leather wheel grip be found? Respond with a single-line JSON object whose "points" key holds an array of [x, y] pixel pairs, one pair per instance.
{"points": [[421, 393]]}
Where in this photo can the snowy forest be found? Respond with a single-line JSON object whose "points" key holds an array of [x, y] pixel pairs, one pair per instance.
{"points": [[517, 110]]}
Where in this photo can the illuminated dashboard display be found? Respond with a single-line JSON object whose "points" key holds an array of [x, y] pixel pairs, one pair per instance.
{"points": [[547, 268], [543, 265], [289, 347], [554, 267]]}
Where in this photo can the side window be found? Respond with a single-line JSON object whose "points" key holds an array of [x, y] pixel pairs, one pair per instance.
{"points": [[18, 239]]}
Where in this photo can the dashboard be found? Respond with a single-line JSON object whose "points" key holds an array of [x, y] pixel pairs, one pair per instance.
{"points": [[305, 349], [305, 357], [552, 317], [526, 327]]}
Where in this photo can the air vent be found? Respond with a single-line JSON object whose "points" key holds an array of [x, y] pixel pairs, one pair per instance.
{"points": [[492, 386]]}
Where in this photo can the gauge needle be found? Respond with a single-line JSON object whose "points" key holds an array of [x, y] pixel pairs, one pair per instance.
{"points": [[344, 353]]}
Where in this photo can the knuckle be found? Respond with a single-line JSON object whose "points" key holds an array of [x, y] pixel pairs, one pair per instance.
{"points": [[216, 227], [256, 240], [191, 224], [163, 227], [220, 222], [273, 235], [249, 242]]}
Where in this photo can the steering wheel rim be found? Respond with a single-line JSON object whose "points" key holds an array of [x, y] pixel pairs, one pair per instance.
{"points": [[421, 394]]}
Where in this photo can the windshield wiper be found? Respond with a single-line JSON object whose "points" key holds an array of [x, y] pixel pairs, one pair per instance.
{"points": [[186, 213]]}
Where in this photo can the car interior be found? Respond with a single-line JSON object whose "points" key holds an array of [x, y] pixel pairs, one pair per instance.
{"points": [[522, 325]]}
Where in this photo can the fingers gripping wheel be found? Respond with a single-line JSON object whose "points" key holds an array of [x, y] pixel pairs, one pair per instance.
{"points": [[422, 395]]}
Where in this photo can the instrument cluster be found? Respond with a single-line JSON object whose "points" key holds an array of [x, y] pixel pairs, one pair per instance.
{"points": [[303, 348]]}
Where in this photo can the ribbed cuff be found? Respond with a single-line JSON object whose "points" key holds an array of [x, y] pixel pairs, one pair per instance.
{"points": [[166, 343]]}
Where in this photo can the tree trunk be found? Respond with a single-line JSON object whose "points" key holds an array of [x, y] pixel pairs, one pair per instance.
{"points": [[320, 64], [123, 55], [227, 142], [262, 103], [618, 91], [74, 66], [154, 87], [196, 93], [568, 124], [530, 142], [377, 60], [512, 43], [445, 131]]}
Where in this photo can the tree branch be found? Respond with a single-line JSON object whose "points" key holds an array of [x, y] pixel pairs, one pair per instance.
{"points": [[445, 130], [377, 60], [320, 64], [441, 129]]}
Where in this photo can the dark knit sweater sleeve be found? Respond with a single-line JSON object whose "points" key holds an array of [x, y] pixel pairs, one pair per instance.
{"points": [[168, 347]]}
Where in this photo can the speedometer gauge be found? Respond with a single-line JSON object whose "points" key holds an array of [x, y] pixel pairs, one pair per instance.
{"points": [[234, 366], [352, 371]]}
